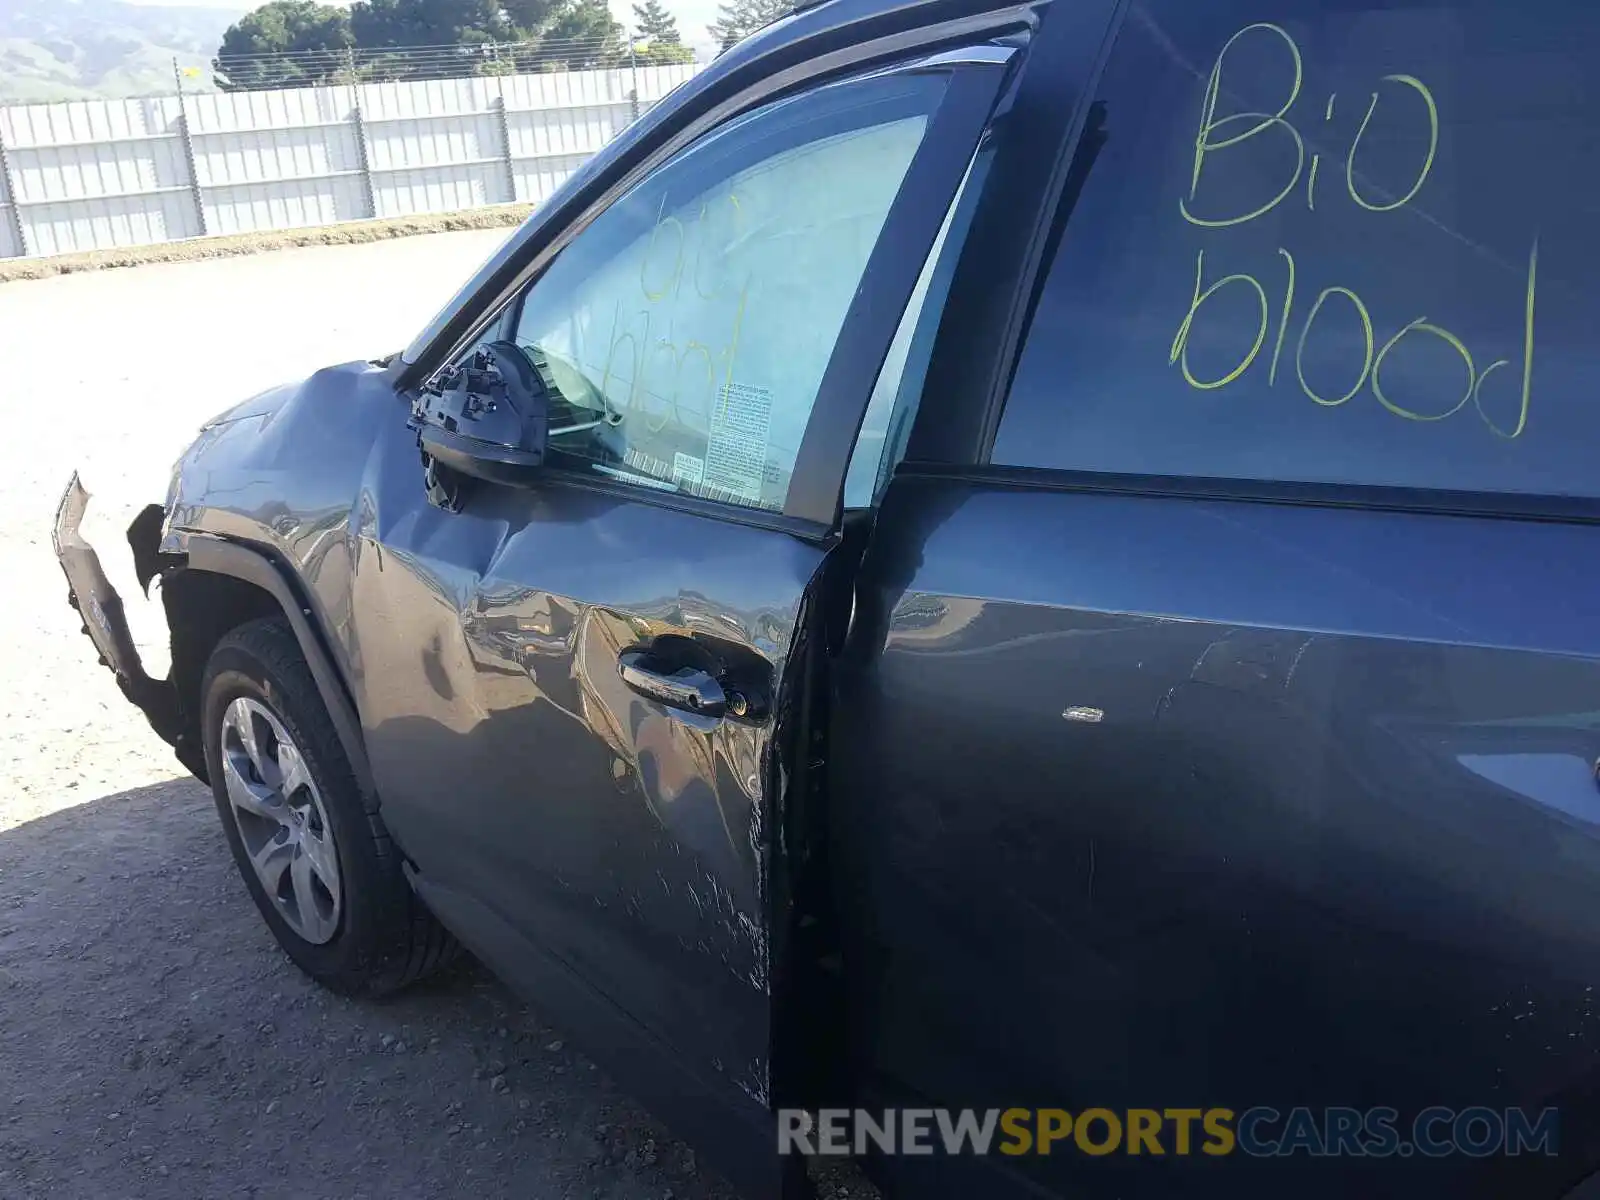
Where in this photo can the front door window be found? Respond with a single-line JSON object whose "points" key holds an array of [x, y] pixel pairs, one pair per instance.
{"points": [[686, 331]]}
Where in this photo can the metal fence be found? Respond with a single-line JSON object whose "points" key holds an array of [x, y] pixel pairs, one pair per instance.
{"points": [[99, 174]]}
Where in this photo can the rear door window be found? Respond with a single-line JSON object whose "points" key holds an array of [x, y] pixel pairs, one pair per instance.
{"points": [[1330, 242]]}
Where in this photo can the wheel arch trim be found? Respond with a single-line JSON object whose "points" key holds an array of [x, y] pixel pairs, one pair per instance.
{"points": [[209, 554]]}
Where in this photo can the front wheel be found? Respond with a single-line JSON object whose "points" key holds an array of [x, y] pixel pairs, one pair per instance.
{"points": [[312, 849]]}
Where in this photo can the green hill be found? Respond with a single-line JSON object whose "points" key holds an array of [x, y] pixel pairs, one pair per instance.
{"points": [[80, 49]]}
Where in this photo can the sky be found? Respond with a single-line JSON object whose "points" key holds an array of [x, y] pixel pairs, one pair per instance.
{"points": [[693, 15]]}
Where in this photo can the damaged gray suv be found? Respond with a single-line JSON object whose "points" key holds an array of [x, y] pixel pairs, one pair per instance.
{"points": [[980, 556]]}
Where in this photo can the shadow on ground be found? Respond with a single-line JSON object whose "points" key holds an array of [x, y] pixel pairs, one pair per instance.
{"points": [[155, 1042]]}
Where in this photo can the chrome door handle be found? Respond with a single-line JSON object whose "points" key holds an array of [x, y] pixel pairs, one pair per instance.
{"points": [[687, 688]]}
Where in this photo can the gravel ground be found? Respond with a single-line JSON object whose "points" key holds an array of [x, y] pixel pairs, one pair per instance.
{"points": [[153, 1040], [231, 245]]}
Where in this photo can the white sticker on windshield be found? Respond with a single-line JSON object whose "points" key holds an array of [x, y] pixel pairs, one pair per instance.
{"points": [[736, 452], [686, 468]]}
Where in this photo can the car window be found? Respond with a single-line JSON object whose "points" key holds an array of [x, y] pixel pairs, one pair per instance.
{"points": [[893, 405], [685, 332], [1329, 242]]}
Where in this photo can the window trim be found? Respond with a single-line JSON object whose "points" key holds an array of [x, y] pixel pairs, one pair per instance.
{"points": [[684, 502], [929, 188], [923, 331], [1514, 506], [964, 392]]}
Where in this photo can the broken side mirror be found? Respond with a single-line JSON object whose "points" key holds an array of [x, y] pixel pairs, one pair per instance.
{"points": [[486, 418]]}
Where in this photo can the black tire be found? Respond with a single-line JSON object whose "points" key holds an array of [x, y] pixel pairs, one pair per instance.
{"points": [[385, 938]]}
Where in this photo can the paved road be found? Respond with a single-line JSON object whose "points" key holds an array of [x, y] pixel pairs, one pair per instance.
{"points": [[153, 1040]]}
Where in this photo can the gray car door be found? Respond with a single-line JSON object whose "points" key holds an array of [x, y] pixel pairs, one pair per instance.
{"points": [[1223, 707], [572, 691]]}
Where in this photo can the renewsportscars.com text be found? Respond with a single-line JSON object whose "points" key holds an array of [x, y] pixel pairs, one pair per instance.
{"points": [[1261, 1131]]}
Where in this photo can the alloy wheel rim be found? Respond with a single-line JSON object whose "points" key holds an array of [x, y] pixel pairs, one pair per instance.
{"points": [[281, 820]]}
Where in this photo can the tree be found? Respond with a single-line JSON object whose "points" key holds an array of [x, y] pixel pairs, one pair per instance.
{"points": [[285, 43], [738, 19], [455, 33], [654, 23], [581, 34], [381, 24], [299, 43], [529, 16], [658, 29]]}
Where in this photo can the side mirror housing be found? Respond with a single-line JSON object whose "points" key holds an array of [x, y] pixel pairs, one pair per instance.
{"points": [[487, 418]]}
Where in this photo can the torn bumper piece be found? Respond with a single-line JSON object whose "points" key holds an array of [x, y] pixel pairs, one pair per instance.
{"points": [[106, 623]]}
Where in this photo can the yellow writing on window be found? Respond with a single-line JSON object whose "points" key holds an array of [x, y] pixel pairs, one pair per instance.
{"points": [[1216, 134], [1206, 141], [1427, 162], [1305, 332], [1180, 344], [1423, 325], [1228, 140], [680, 260], [1368, 371], [1527, 360]]}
